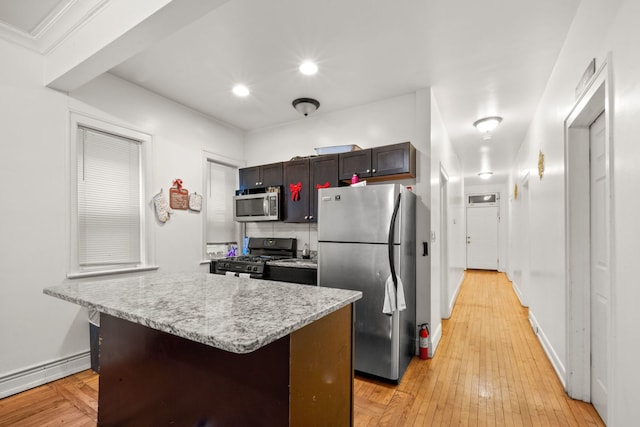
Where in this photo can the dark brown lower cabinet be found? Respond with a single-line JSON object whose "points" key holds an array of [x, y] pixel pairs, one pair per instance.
{"points": [[149, 377]]}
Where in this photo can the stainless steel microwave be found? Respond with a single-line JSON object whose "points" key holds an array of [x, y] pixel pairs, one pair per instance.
{"points": [[257, 207]]}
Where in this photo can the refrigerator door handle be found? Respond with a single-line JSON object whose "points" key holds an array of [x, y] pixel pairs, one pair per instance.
{"points": [[392, 227]]}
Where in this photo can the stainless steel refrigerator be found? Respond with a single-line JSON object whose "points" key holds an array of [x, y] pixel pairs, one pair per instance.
{"points": [[365, 236]]}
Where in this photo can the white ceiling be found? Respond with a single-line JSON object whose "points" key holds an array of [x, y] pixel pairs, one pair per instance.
{"points": [[490, 57], [26, 15]]}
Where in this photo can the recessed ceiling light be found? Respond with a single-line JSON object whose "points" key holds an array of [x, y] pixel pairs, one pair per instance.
{"points": [[241, 90], [485, 175], [309, 68], [487, 124]]}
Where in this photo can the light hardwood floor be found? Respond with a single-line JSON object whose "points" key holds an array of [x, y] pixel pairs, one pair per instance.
{"points": [[489, 370]]}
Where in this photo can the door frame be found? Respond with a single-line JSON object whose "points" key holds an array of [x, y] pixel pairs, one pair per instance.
{"points": [[444, 244], [524, 249], [597, 97]]}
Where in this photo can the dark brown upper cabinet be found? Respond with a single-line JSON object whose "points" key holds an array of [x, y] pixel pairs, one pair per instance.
{"points": [[261, 176], [396, 161], [302, 179], [355, 162], [323, 173]]}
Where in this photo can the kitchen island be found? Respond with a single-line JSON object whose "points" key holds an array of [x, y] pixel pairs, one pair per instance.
{"points": [[203, 349]]}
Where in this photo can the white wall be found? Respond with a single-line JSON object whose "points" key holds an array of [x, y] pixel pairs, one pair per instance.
{"points": [[380, 123], [34, 328], [38, 333], [444, 156], [518, 232], [399, 119], [180, 136], [599, 28]]}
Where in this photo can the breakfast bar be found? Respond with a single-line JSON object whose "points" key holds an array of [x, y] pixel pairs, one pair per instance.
{"points": [[200, 349]]}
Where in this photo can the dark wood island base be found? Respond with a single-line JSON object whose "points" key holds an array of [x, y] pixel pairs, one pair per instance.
{"points": [[153, 378]]}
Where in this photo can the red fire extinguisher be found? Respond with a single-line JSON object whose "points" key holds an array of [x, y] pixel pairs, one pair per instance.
{"points": [[424, 341]]}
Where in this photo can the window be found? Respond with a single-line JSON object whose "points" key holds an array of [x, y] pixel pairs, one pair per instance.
{"points": [[221, 181], [489, 199], [108, 211]]}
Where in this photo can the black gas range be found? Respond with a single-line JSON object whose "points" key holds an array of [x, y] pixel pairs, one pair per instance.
{"points": [[254, 264]]}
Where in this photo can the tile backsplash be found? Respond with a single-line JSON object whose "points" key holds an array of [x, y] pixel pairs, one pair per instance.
{"points": [[304, 233]]}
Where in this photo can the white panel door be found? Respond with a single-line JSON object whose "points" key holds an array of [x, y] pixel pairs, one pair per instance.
{"points": [[482, 238], [600, 271]]}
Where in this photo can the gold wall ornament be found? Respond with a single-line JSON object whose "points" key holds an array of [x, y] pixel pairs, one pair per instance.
{"points": [[540, 164], [515, 191]]}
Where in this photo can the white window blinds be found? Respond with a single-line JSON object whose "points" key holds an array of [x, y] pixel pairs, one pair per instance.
{"points": [[109, 204], [220, 225]]}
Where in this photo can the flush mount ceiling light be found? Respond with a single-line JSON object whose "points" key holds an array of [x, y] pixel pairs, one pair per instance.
{"points": [[305, 106], [485, 175], [487, 124], [241, 90], [308, 68]]}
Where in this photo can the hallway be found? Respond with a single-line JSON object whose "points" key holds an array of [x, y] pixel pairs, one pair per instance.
{"points": [[488, 370]]}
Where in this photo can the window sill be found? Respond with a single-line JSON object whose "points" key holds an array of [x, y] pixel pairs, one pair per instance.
{"points": [[109, 272]]}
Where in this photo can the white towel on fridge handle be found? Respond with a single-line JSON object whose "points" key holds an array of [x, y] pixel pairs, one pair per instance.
{"points": [[393, 299]]}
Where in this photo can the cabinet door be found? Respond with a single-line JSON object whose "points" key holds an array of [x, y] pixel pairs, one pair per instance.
{"points": [[260, 176], [323, 171], [271, 175], [249, 177], [296, 175], [358, 162], [391, 159]]}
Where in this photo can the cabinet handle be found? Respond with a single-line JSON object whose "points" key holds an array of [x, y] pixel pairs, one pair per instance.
{"points": [[306, 217], [310, 216], [368, 171], [373, 171]]}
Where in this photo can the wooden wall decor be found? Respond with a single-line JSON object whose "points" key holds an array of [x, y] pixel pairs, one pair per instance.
{"points": [[178, 196], [541, 164]]}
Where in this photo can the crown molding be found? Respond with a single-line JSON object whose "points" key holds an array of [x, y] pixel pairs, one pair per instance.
{"points": [[63, 21]]}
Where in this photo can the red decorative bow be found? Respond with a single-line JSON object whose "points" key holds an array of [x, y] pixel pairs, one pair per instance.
{"points": [[325, 185], [178, 183], [295, 191]]}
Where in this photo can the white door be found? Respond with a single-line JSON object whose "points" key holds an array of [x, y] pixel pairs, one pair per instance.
{"points": [[600, 271], [482, 238]]}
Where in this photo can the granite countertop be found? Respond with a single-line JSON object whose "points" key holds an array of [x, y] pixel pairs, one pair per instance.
{"points": [[234, 314], [295, 263]]}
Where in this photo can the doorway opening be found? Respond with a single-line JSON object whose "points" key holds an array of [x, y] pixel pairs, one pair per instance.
{"points": [[588, 148]]}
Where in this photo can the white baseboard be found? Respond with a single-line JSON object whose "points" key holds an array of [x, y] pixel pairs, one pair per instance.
{"points": [[518, 292], [454, 298], [561, 371], [25, 379], [452, 301], [435, 337]]}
